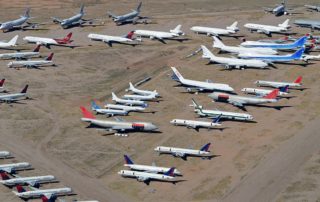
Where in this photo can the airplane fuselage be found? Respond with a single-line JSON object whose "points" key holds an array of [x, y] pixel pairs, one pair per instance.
{"points": [[224, 115], [19, 55], [155, 34], [154, 169], [107, 38], [276, 84], [29, 63], [39, 193], [40, 40], [28, 180], [180, 152], [144, 176], [233, 99], [212, 31], [124, 107]]}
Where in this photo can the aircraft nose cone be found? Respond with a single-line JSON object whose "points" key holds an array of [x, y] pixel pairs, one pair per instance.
{"points": [[157, 149]]}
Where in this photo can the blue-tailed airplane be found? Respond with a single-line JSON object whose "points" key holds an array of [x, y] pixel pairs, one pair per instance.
{"points": [[132, 17], [288, 46]]}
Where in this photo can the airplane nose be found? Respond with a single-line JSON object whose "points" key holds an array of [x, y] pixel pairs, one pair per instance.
{"points": [[157, 149]]}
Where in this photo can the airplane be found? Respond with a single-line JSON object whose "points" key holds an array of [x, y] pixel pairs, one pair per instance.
{"points": [[224, 114], [2, 89], [128, 102], [312, 24], [268, 29], [126, 39], [32, 181], [240, 101], [44, 194], [197, 124], [147, 177], [276, 84], [109, 112], [238, 49], [263, 92], [140, 97], [274, 58], [142, 92], [48, 42], [204, 152], [232, 62], [199, 85], [17, 24], [4, 154], [124, 107], [159, 35], [11, 43], [14, 97], [32, 63], [119, 125], [210, 31], [312, 8], [306, 58], [132, 17], [279, 10], [13, 167], [299, 43], [145, 168], [21, 55]]}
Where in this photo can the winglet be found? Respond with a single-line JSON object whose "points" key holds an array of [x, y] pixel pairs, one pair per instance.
{"points": [[127, 159], [205, 147], [170, 172], [24, 90], [273, 94], [2, 82], [298, 80], [86, 113]]}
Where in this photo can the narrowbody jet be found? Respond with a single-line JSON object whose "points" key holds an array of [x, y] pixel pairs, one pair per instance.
{"points": [[126, 39], [21, 55], [142, 92], [128, 102], [124, 107], [214, 124], [108, 112], [18, 23], [34, 181], [5, 154], [308, 23], [44, 194], [32, 63], [14, 97], [299, 43], [160, 35], [279, 84], [13, 167], [283, 91], [312, 8]]}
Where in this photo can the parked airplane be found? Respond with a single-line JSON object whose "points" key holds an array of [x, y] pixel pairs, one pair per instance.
{"points": [[126, 39], [276, 84], [240, 101], [128, 102], [140, 97], [279, 9], [32, 181], [11, 43], [238, 49], [263, 92], [142, 92], [124, 107], [119, 125], [146, 177], [299, 43], [2, 89], [224, 114], [14, 97], [274, 58], [44, 194], [306, 58], [210, 31], [199, 85], [4, 154], [197, 124], [313, 8], [150, 169], [48, 42], [159, 35], [132, 17], [232, 62], [21, 55], [184, 153], [13, 167], [312, 24], [18, 23], [109, 112], [268, 29], [32, 63]]}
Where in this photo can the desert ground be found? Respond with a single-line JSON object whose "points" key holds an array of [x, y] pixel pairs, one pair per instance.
{"points": [[275, 159]]}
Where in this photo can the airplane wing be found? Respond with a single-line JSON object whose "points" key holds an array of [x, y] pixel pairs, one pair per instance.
{"points": [[143, 179], [236, 103], [32, 183], [111, 15], [56, 20], [49, 196], [267, 32], [119, 119], [8, 169]]}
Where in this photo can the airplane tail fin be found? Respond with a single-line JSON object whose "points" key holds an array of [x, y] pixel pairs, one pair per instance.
{"points": [[176, 75], [45, 199], [139, 7], [114, 96], [217, 119], [128, 160], [67, 38], [273, 94], [177, 30], [13, 41], [27, 13], [94, 106], [206, 53], [131, 86], [300, 42], [217, 43], [4, 176], [20, 189], [82, 9], [195, 104], [2, 82], [170, 172], [284, 89], [49, 58], [298, 80], [233, 27], [205, 147], [86, 113], [298, 53], [24, 90], [285, 24], [130, 35], [37, 49]]}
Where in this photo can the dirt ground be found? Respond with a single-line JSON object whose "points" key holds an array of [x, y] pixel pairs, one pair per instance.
{"points": [[275, 159]]}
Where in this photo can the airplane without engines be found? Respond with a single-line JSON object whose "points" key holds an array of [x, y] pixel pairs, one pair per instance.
{"points": [[44, 194], [14, 97], [32, 181], [32, 63], [210, 31], [124, 107], [268, 29], [263, 92], [277, 84], [197, 124], [126, 39], [109, 112], [13, 167], [160, 35], [48, 42]]}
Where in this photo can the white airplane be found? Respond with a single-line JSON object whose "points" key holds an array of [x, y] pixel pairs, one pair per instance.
{"points": [[239, 49], [184, 153], [232, 62], [268, 29], [126, 39], [224, 114], [109, 112], [32, 63], [141, 92], [2, 89], [306, 58], [119, 125], [47, 42], [240, 101], [4, 154], [147, 177], [128, 102], [263, 92], [11, 168], [197, 124], [44, 194], [140, 97], [150, 169], [276, 84], [161, 36], [199, 85], [18, 23], [32, 181], [124, 107], [21, 55], [10, 43], [210, 31], [14, 97]]}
